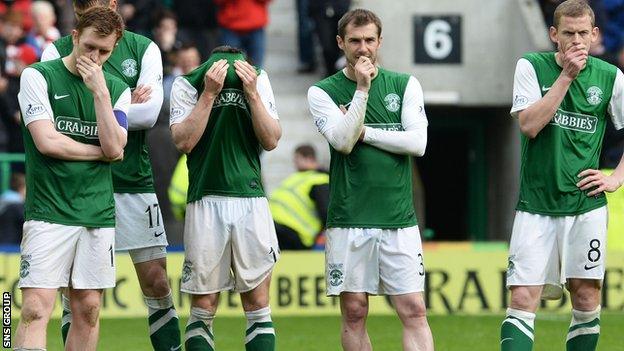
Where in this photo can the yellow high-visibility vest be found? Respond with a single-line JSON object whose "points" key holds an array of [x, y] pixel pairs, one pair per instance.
{"points": [[292, 206], [178, 189]]}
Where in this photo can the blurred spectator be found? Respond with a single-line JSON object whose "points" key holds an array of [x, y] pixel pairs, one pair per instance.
{"points": [[241, 25], [137, 14], [197, 24], [299, 204], [12, 210], [613, 30], [165, 33], [22, 7], [305, 38], [18, 55], [43, 32], [326, 14]]}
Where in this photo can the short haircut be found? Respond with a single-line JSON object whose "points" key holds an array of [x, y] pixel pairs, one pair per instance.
{"points": [[85, 4], [104, 20], [358, 17], [226, 49], [574, 9], [42, 7], [306, 150]]}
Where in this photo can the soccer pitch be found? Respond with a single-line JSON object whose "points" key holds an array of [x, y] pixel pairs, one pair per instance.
{"points": [[480, 333]]}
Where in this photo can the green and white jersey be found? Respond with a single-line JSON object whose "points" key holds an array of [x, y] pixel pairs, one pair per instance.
{"points": [[371, 184], [572, 141], [136, 61], [226, 159], [77, 193]]}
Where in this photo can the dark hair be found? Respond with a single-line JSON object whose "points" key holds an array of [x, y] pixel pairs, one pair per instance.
{"points": [[358, 17], [226, 49], [574, 9], [85, 4], [306, 150], [104, 20]]}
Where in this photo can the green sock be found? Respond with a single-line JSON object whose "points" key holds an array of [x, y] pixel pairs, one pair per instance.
{"points": [[584, 330], [517, 331], [163, 323], [260, 334], [198, 335], [66, 317]]}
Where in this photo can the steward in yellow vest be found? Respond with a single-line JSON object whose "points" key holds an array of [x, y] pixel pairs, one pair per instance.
{"points": [[299, 204]]}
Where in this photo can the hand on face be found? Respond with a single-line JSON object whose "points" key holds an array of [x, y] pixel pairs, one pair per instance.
{"points": [[364, 72], [248, 76], [90, 69], [574, 59], [215, 76]]}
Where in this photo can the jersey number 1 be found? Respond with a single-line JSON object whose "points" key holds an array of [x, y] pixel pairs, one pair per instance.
{"points": [[149, 215]]}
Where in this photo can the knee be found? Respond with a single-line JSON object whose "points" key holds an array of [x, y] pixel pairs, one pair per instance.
{"points": [[158, 286], [523, 298], [586, 298], [32, 312], [206, 302], [413, 310], [87, 311], [354, 312]]}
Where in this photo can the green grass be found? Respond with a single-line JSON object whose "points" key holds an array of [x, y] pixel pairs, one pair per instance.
{"points": [[480, 333]]}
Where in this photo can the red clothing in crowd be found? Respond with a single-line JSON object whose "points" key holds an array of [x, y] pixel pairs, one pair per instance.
{"points": [[242, 15]]}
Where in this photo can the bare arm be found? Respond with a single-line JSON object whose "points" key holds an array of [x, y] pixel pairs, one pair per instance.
{"points": [[266, 128], [187, 133], [111, 135], [534, 118], [54, 144]]}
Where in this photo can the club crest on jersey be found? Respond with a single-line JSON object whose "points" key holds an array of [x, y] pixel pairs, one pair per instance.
{"points": [[392, 102], [511, 267], [25, 266], [129, 68], [187, 270], [594, 95]]}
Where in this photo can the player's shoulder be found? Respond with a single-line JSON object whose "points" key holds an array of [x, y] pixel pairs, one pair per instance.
{"points": [[540, 58], [392, 74], [335, 79], [601, 65], [64, 45], [135, 39], [114, 82], [45, 66]]}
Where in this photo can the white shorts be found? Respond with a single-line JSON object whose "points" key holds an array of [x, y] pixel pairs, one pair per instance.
{"points": [[55, 255], [374, 261], [229, 243], [139, 222], [548, 250]]}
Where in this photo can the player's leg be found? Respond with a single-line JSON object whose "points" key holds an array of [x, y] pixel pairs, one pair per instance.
{"points": [[413, 314], [151, 268], [585, 325], [37, 306], [85, 305], [354, 310], [533, 263], [255, 251], [93, 271], [206, 269], [259, 333], [47, 255], [199, 335], [402, 276], [66, 315], [140, 230], [584, 267]]}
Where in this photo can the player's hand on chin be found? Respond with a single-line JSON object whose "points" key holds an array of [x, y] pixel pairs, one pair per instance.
{"points": [[91, 73], [597, 181]]}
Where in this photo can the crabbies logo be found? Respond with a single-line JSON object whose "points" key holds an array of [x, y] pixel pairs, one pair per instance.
{"points": [[129, 68], [392, 102], [594, 95]]}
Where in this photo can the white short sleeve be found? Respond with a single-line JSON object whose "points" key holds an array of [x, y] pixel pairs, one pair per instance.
{"points": [[616, 105], [266, 93], [526, 90], [182, 100], [123, 103], [33, 97]]}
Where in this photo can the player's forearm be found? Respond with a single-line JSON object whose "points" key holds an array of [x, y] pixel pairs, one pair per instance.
{"points": [[409, 142], [187, 133], [144, 116], [59, 146], [618, 173], [533, 119], [345, 134], [266, 128], [112, 136]]}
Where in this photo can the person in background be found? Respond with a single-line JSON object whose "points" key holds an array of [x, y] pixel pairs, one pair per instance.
{"points": [[299, 204]]}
